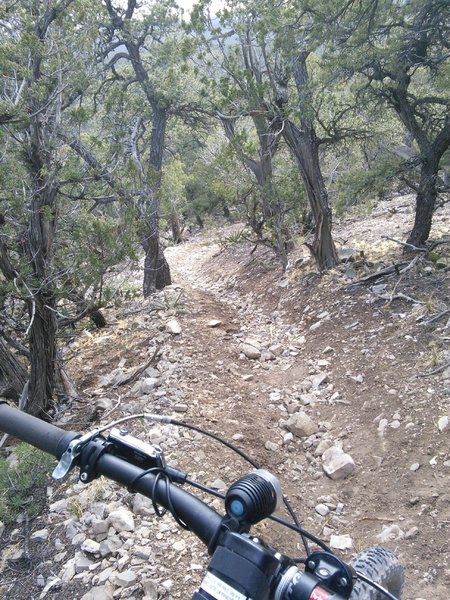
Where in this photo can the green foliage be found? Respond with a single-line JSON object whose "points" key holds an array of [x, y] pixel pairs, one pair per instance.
{"points": [[360, 183], [237, 237], [176, 302], [22, 482]]}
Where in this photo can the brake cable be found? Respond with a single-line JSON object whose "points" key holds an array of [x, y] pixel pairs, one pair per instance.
{"points": [[170, 421], [305, 535]]}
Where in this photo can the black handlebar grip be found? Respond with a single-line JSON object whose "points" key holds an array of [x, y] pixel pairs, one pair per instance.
{"points": [[34, 431]]}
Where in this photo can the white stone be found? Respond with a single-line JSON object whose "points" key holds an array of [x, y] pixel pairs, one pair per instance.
{"points": [[341, 542], [100, 592], [126, 578], [251, 350], [52, 583], [443, 423], [90, 547], [121, 520], [389, 533], [179, 546], [271, 446], [60, 506], [322, 509], [322, 446], [82, 564], [319, 379], [301, 425], [173, 327], [214, 323], [276, 349], [337, 464], [150, 589], [41, 535], [142, 505], [98, 527]]}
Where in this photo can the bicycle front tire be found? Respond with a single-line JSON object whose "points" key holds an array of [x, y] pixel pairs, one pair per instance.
{"points": [[383, 567]]}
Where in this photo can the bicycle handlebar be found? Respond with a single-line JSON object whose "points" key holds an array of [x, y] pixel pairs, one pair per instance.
{"points": [[198, 516], [239, 563], [38, 433]]}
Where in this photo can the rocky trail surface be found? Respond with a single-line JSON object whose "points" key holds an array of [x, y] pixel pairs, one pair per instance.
{"points": [[340, 389]]}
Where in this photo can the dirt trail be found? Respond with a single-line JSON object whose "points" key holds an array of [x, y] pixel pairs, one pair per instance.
{"points": [[342, 354], [384, 416]]}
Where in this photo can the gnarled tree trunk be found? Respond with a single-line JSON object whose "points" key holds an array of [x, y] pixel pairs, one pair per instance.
{"points": [[425, 203], [304, 147], [156, 268]]}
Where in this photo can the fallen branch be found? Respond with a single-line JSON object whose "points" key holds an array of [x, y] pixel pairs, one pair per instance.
{"points": [[432, 245], [435, 318], [398, 296], [397, 269], [435, 371], [404, 244], [151, 363]]}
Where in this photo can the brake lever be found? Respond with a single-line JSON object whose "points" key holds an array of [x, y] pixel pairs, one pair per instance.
{"points": [[72, 452]]}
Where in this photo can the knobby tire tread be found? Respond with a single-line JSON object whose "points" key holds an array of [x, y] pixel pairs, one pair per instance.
{"points": [[383, 567]]}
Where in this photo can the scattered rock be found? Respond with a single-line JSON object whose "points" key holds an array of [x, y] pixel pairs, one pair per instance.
{"points": [[90, 547], [121, 520], [322, 509], [52, 584], [347, 254], [414, 467], [389, 533], [341, 542], [142, 505], [443, 423], [220, 485], [82, 563], [301, 425], [271, 446], [337, 464], [382, 426], [276, 349], [126, 578], [150, 589], [179, 546], [412, 533], [322, 446], [173, 327], [319, 379], [251, 348], [40, 535], [214, 323], [100, 592]]}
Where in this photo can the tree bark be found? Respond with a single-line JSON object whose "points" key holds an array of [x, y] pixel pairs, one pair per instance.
{"points": [[156, 268], [43, 355], [13, 374], [425, 203], [39, 247], [303, 145]]}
